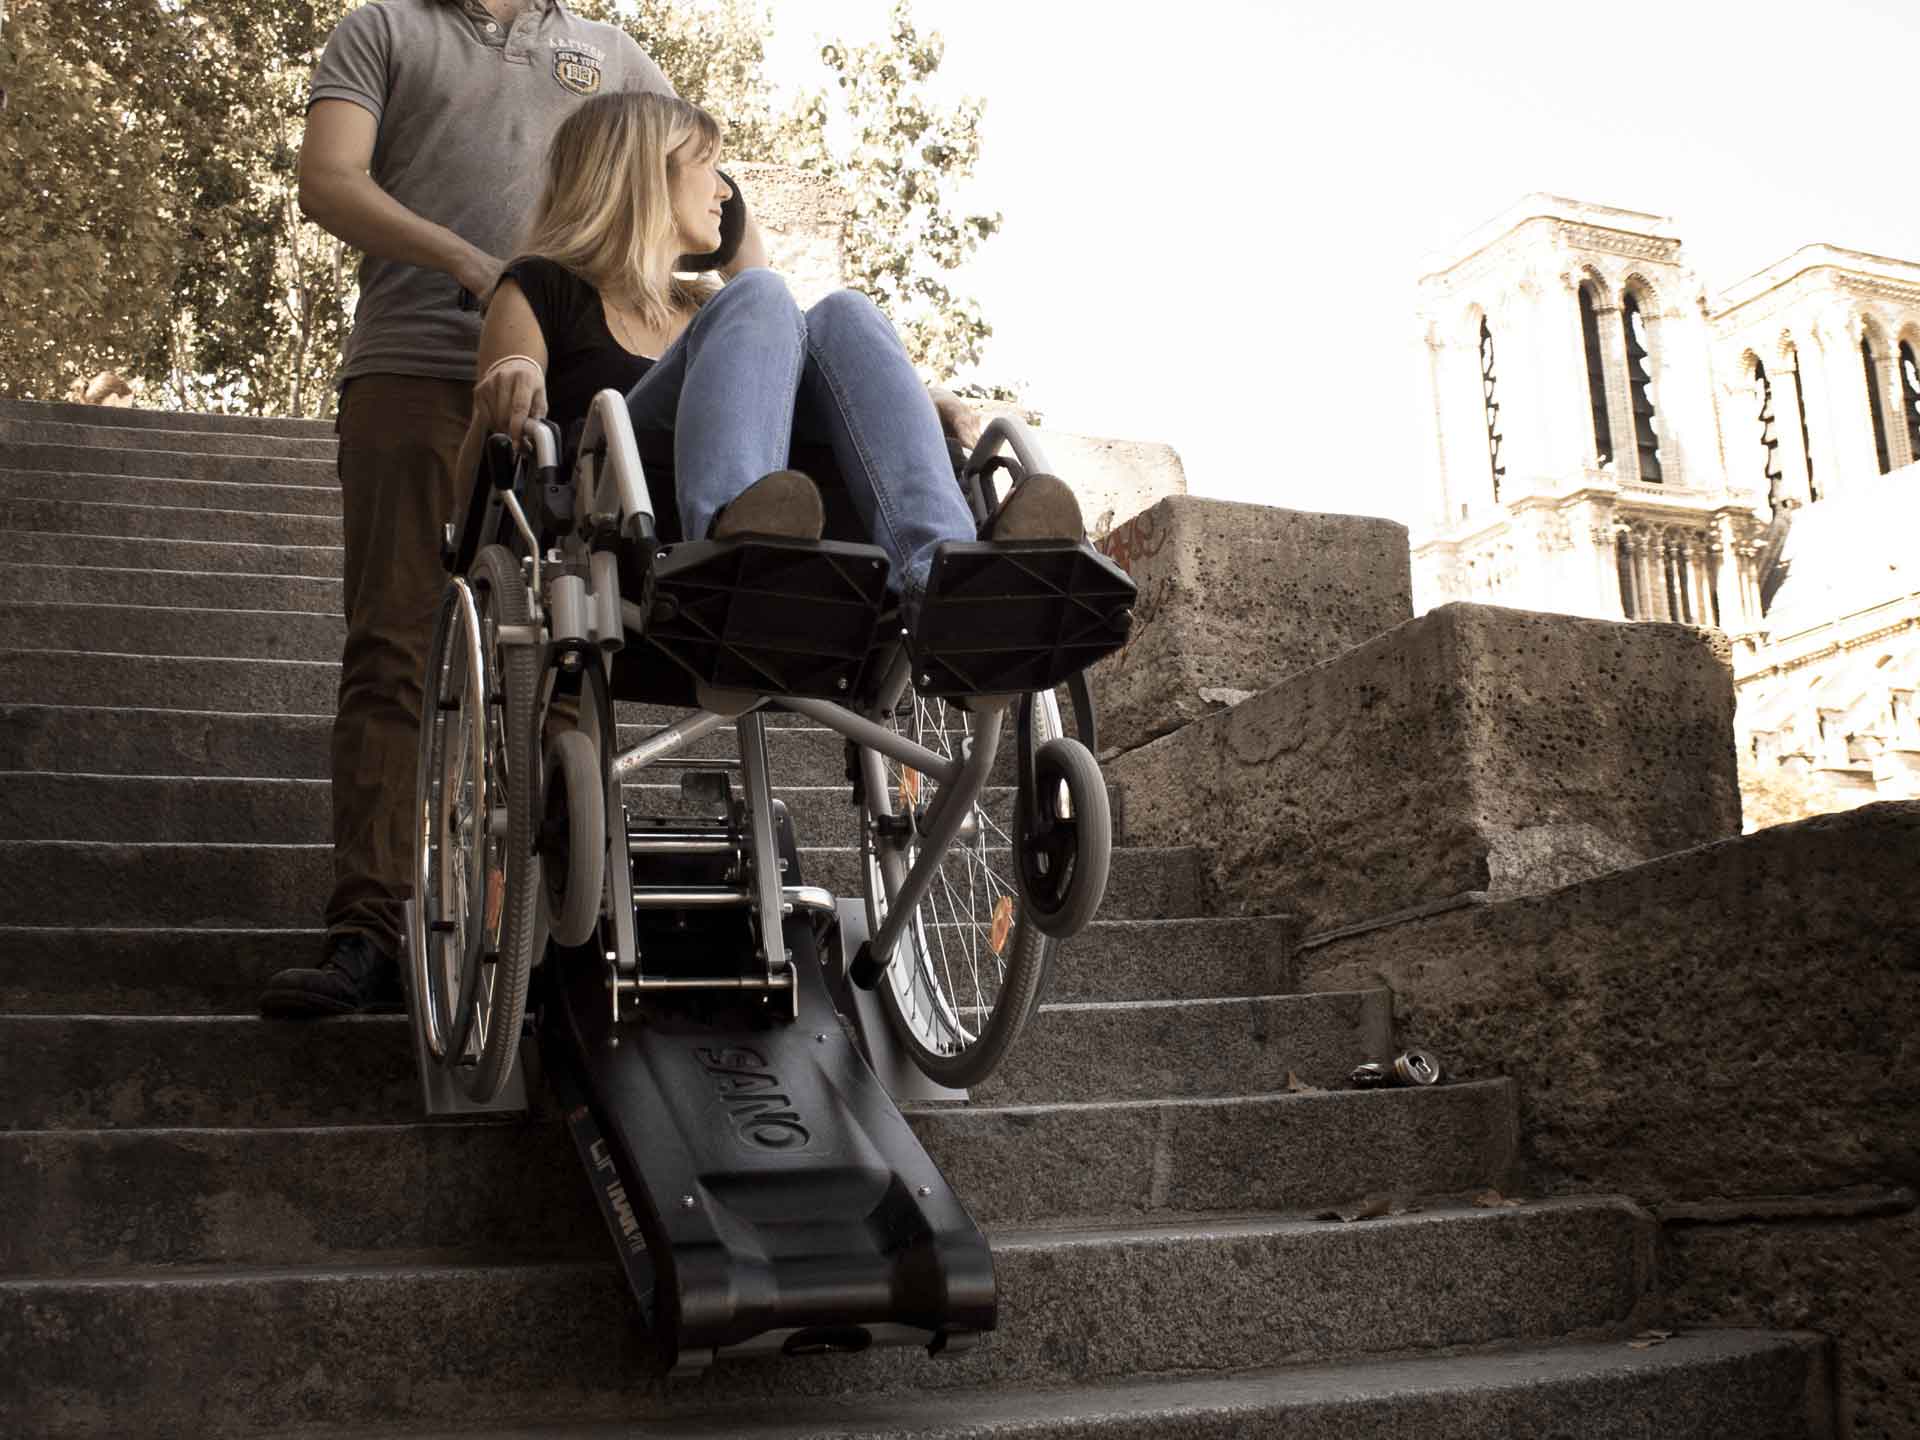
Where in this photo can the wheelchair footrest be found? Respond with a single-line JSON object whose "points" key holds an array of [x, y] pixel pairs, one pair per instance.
{"points": [[1017, 616], [785, 617]]}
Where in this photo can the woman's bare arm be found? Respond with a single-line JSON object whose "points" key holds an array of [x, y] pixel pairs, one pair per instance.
{"points": [[508, 396]]}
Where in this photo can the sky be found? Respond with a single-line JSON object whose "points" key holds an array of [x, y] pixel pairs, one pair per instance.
{"points": [[1216, 212]]}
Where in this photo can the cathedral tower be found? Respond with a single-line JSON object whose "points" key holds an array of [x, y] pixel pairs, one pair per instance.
{"points": [[1578, 464]]}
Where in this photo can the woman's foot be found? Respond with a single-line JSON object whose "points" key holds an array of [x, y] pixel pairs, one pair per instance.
{"points": [[1040, 507], [784, 504]]}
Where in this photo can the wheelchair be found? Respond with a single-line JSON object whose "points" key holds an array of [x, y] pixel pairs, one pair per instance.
{"points": [[705, 1014]]}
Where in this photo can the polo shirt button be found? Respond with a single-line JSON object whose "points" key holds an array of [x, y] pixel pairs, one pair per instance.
{"points": [[492, 29]]}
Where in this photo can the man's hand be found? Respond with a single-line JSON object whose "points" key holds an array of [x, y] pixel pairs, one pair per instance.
{"points": [[957, 418], [478, 272]]}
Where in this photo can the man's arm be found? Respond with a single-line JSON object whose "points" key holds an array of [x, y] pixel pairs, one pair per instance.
{"points": [[338, 194]]}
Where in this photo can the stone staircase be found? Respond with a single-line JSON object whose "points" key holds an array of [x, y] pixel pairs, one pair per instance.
{"points": [[218, 1225]]}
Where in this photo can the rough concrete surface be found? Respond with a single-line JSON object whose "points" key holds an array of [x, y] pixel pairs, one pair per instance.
{"points": [[1235, 597], [1856, 1281], [1736, 1020], [1475, 749]]}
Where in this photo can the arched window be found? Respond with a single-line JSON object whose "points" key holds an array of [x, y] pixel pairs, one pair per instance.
{"points": [[1769, 441], [1874, 408], [1806, 438], [1910, 397], [1489, 386], [1596, 375], [1646, 428]]}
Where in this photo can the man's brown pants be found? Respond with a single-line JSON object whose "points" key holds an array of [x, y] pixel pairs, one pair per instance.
{"points": [[399, 438]]}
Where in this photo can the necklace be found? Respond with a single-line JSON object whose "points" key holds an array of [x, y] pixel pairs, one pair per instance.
{"points": [[622, 329]]}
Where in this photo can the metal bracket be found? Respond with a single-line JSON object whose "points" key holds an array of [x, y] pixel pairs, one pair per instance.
{"points": [[440, 1096], [906, 1082]]}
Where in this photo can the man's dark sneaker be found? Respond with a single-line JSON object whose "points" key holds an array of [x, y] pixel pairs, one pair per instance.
{"points": [[354, 978]]}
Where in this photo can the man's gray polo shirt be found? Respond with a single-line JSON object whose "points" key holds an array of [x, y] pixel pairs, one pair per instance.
{"points": [[465, 107]]}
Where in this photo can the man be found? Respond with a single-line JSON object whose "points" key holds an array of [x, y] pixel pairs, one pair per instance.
{"points": [[427, 129]]}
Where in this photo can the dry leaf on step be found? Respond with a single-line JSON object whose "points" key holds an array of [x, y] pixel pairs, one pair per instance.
{"points": [[1491, 1199], [1647, 1339], [1367, 1207]]}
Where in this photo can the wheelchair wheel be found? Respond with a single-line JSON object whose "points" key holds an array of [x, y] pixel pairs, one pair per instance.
{"points": [[970, 964], [1063, 838], [573, 839], [451, 800], [493, 991]]}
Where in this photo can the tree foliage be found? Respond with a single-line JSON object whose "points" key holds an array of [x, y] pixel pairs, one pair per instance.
{"points": [[899, 162], [149, 221]]}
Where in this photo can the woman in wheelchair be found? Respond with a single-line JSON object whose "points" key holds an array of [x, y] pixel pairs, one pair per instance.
{"points": [[738, 373]]}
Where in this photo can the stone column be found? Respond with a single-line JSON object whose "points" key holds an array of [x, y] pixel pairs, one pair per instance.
{"points": [[1703, 583], [1605, 538], [1899, 450], [1788, 395], [1613, 364]]}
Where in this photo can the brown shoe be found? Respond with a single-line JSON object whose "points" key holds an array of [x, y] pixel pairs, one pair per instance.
{"points": [[1041, 507], [784, 504]]}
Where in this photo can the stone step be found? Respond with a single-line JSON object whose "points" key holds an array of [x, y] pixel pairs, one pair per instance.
{"points": [[136, 809], [170, 493], [80, 1202], [224, 633], [156, 463], [99, 883], [121, 1072], [99, 519], [107, 552], [134, 418], [55, 970], [169, 589], [107, 434], [105, 740], [1702, 1385], [550, 1342]]}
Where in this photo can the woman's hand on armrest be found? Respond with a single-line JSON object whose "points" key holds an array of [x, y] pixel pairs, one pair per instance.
{"points": [[512, 367]]}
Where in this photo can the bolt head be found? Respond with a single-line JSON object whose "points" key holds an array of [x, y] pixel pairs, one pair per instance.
{"points": [[686, 1202], [924, 1191]]}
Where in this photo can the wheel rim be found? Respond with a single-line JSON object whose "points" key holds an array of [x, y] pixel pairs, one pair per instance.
{"points": [[953, 957], [457, 788]]}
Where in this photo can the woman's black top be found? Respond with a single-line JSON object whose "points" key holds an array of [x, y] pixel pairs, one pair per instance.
{"points": [[583, 358]]}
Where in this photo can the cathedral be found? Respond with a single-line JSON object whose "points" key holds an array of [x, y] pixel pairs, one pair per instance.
{"points": [[1609, 439]]}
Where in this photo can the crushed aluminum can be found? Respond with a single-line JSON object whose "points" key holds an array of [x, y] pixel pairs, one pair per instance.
{"points": [[1417, 1067], [1370, 1076], [1411, 1067]]}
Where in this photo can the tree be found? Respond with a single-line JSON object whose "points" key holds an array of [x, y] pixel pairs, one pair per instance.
{"points": [[149, 221], [899, 161]]}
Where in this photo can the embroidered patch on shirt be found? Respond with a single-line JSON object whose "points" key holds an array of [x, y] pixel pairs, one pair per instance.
{"points": [[577, 70]]}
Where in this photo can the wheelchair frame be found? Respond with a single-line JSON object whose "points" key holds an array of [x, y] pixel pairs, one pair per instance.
{"points": [[633, 1117]]}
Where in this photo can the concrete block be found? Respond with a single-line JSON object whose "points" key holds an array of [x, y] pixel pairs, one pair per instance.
{"points": [[1858, 1282], [1234, 598], [1475, 750], [1737, 1020]]}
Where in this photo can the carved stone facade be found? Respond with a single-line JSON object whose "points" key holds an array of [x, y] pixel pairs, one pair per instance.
{"points": [[1611, 441]]}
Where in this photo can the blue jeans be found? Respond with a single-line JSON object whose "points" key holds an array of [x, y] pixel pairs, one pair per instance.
{"points": [[751, 375]]}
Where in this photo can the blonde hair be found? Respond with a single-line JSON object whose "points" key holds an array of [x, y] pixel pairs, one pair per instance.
{"points": [[605, 211]]}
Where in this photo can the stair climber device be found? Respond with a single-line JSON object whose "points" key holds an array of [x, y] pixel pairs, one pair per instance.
{"points": [[727, 1043]]}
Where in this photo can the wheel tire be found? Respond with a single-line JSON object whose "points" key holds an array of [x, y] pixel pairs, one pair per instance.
{"points": [[925, 994], [1064, 839], [576, 806], [498, 1001], [443, 939]]}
